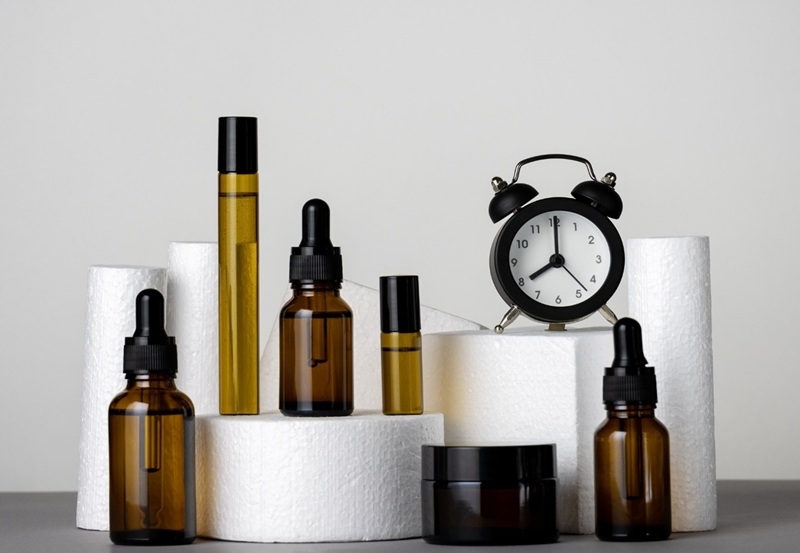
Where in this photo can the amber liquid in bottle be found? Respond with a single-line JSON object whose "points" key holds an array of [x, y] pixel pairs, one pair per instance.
{"points": [[151, 452], [401, 365], [238, 294], [632, 476], [316, 352]]}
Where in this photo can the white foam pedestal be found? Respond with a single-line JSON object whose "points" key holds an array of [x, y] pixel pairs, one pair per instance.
{"points": [[270, 478], [193, 318], [669, 293], [110, 318], [526, 386]]}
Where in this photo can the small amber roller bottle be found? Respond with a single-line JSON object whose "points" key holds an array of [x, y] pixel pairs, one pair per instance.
{"points": [[316, 336], [631, 448], [151, 439], [401, 345]]}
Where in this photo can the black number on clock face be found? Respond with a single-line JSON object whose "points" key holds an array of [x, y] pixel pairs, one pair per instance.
{"points": [[576, 275]]}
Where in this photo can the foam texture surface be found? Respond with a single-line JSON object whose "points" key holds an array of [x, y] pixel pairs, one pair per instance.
{"points": [[110, 317], [192, 317], [669, 287], [526, 386], [270, 478], [365, 303]]}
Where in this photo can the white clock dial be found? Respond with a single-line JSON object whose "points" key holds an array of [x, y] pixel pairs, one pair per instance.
{"points": [[565, 279]]}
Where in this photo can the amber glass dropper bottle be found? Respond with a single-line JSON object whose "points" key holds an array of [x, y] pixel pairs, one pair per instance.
{"points": [[316, 326], [401, 345], [151, 439], [238, 266], [631, 448]]}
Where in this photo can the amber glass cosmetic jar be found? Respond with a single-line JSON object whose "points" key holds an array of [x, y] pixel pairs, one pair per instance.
{"points": [[489, 495]]}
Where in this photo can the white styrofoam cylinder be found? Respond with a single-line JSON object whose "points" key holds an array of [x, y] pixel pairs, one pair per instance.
{"points": [[366, 305], [526, 386], [110, 317], [669, 289], [270, 478], [192, 317]]}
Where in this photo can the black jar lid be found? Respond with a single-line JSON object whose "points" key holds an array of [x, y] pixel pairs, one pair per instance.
{"points": [[500, 463]]}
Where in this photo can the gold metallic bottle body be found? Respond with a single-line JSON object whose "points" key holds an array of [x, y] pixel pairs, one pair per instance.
{"points": [[632, 477], [151, 464], [316, 352], [401, 366], [238, 294]]}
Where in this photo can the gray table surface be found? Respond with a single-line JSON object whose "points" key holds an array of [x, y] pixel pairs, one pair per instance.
{"points": [[754, 516]]}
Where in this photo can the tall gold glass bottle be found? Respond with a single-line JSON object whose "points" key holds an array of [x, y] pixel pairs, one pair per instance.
{"points": [[631, 448], [316, 326], [238, 266], [401, 345], [151, 440]]}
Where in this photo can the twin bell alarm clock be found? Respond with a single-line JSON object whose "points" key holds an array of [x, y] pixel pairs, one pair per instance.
{"points": [[556, 260]]}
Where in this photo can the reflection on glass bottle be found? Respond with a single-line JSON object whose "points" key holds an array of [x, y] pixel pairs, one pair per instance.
{"points": [[316, 352], [151, 439], [631, 448]]}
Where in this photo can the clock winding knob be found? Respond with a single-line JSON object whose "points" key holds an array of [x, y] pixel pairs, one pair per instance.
{"points": [[498, 184]]}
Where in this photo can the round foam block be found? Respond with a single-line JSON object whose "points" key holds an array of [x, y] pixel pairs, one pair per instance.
{"points": [[270, 478], [110, 317]]}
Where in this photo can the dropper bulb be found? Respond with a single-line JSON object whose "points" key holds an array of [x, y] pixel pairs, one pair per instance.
{"points": [[316, 224], [150, 316], [628, 350]]}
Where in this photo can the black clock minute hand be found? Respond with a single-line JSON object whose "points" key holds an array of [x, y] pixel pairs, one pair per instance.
{"points": [[540, 271], [573, 276]]}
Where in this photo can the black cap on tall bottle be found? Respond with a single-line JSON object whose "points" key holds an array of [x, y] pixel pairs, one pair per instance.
{"points": [[150, 350], [238, 145], [629, 379], [316, 258], [400, 303]]}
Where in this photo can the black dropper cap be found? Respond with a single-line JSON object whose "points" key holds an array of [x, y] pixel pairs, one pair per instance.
{"points": [[316, 259], [400, 303], [150, 350], [238, 145], [629, 379]]}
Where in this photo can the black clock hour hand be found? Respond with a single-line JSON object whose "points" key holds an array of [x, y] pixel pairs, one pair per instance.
{"points": [[540, 271], [555, 232], [573, 276]]}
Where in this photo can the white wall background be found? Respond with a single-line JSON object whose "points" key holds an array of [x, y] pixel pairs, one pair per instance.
{"points": [[398, 114]]}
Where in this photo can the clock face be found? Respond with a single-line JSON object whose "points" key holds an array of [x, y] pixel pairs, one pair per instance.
{"points": [[557, 260], [569, 276]]}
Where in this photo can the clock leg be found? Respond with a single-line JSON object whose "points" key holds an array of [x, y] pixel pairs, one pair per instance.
{"points": [[609, 315], [508, 318]]}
